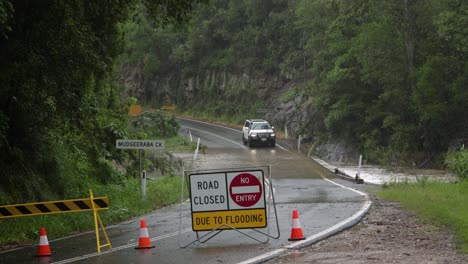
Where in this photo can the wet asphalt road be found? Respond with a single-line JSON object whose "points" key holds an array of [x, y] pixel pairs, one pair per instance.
{"points": [[298, 184]]}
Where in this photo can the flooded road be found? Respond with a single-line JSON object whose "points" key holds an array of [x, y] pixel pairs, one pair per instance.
{"points": [[298, 183], [378, 175]]}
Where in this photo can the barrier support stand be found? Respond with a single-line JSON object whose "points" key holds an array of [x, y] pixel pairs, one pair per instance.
{"points": [[96, 220]]}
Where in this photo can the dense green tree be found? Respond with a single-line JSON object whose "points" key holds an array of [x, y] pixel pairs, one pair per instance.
{"points": [[385, 71], [441, 94], [59, 111], [388, 76]]}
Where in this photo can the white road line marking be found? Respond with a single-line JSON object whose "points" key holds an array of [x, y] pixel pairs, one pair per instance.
{"points": [[282, 148], [209, 124], [119, 248], [227, 139]]}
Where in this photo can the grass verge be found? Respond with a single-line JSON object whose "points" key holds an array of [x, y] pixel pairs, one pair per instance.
{"points": [[125, 202], [444, 204]]}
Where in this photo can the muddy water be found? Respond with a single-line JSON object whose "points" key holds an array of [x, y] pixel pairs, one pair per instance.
{"points": [[284, 164], [379, 175]]}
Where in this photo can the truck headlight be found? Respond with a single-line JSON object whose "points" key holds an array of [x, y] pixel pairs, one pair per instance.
{"points": [[253, 134], [272, 134]]}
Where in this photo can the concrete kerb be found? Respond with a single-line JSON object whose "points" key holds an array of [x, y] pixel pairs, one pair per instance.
{"points": [[340, 227], [336, 171]]}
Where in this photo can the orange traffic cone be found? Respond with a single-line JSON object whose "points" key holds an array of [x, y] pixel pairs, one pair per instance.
{"points": [[44, 249], [144, 241], [296, 230]]}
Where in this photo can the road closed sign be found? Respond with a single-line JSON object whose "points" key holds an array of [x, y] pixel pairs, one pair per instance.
{"points": [[225, 200]]}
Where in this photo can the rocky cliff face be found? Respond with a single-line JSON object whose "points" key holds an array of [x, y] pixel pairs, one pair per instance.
{"points": [[300, 117], [229, 93]]}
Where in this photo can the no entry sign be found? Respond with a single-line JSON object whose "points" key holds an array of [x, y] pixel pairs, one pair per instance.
{"points": [[245, 190], [227, 199]]}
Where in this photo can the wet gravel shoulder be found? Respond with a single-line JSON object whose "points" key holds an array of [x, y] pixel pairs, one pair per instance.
{"points": [[387, 234]]}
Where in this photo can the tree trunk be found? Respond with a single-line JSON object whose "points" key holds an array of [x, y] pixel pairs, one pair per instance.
{"points": [[409, 39]]}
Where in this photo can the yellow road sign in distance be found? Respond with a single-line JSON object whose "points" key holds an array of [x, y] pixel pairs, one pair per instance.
{"points": [[53, 207], [135, 110], [205, 221]]}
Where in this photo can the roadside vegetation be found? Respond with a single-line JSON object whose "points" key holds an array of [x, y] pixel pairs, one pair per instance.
{"points": [[62, 110], [437, 202], [122, 187], [125, 202]]}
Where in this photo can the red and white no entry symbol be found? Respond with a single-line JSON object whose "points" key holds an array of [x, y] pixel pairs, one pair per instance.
{"points": [[245, 190]]}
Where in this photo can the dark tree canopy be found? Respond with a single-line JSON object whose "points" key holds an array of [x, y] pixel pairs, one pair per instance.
{"points": [[59, 111], [389, 76]]}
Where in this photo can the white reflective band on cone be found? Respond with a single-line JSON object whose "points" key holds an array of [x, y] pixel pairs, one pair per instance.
{"points": [[296, 224], [144, 232], [43, 241]]}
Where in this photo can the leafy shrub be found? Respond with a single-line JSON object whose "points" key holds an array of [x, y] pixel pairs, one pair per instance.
{"points": [[457, 162], [154, 125]]}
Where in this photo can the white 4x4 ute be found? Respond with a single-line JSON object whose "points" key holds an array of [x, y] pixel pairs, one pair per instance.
{"points": [[258, 131]]}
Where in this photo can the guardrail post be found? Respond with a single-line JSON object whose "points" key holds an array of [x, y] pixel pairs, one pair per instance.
{"points": [[299, 143], [359, 166], [196, 153]]}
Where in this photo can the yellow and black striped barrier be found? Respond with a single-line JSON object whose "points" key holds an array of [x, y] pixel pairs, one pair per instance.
{"points": [[53, 207], [64, 206]]}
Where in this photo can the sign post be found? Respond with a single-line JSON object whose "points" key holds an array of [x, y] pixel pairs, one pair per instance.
{"points": [[140, 145]]}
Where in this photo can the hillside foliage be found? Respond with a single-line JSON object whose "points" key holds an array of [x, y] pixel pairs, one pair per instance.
{"points": [[389, 77]]}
